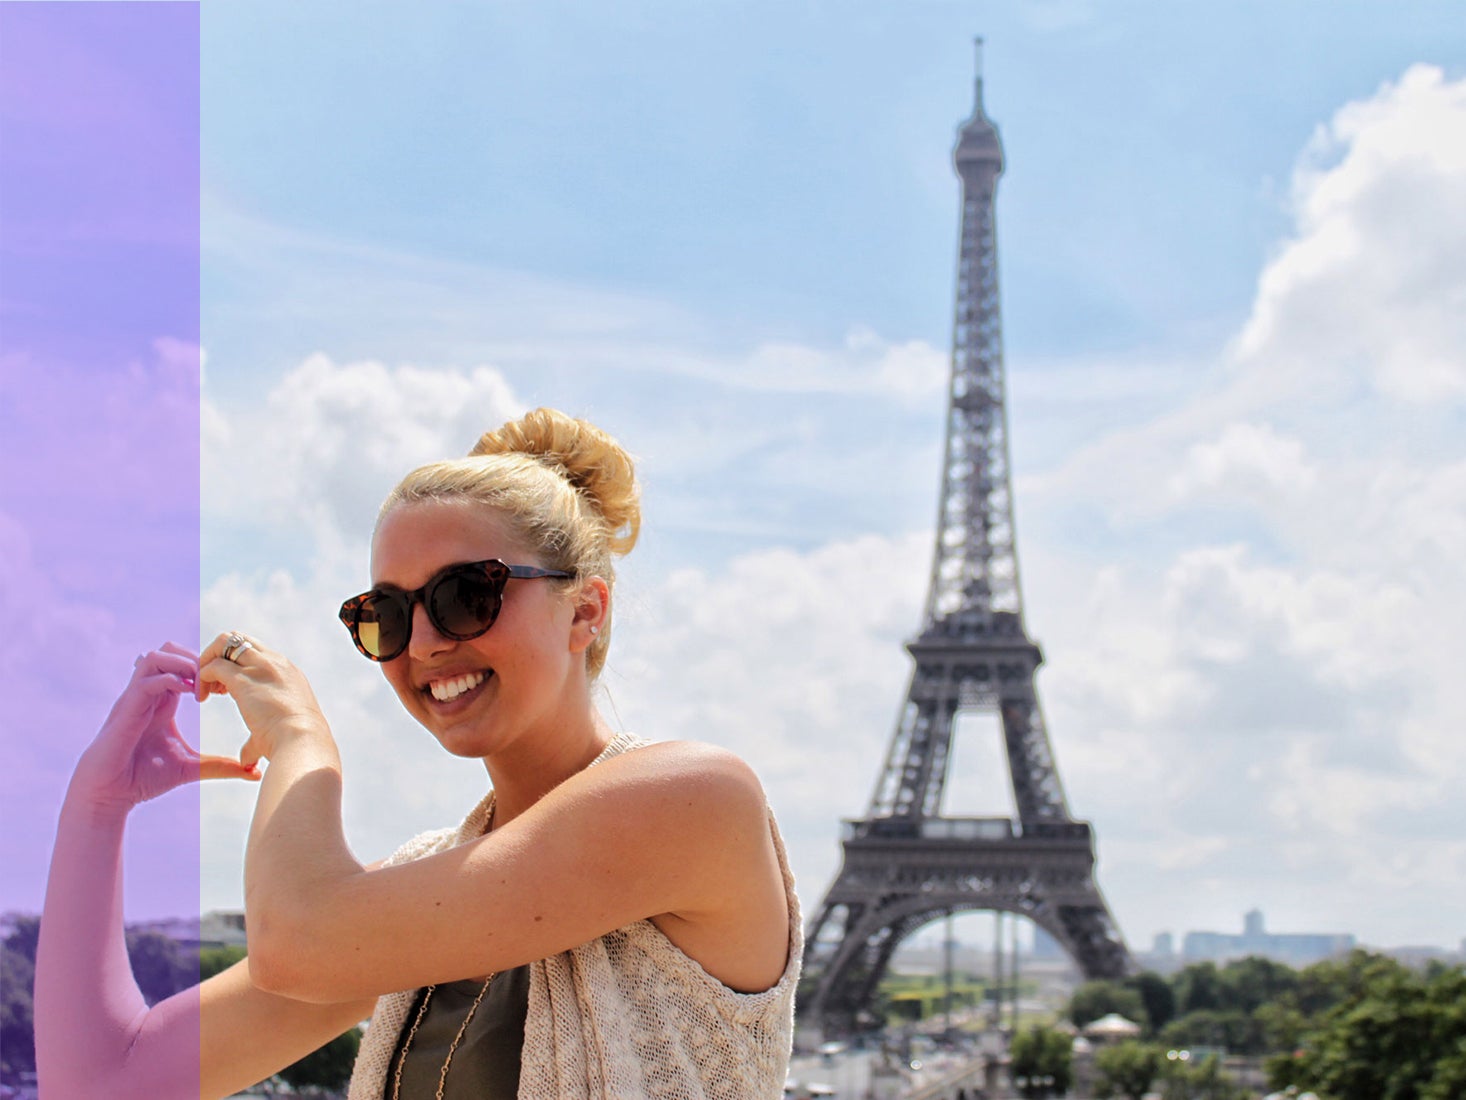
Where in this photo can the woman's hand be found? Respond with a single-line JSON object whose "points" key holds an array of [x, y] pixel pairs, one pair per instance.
{"points": [[139, 753], [274, 698]]}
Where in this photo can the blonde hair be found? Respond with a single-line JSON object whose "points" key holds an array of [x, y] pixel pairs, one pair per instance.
{"points": [[563, 486]]}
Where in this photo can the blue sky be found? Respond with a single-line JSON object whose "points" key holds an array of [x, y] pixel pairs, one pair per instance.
{"points": [[727, 232]]}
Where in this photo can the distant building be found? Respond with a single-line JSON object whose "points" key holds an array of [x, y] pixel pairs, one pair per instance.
{"points": [[1295, 949], [1419, 957], [222, 928], [1163, 945], [218, 928]]}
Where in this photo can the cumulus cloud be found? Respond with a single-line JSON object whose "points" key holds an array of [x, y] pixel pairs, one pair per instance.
{"points": [[1261, 634], [330, 440], [1372, 285], [864, 364], [793, 660], [1241, 456]]}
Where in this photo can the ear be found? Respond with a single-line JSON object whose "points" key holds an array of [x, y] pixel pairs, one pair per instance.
{"points": [[592, 606]]}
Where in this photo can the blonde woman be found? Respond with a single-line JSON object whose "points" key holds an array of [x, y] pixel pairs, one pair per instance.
{"points": [[615, 919]]}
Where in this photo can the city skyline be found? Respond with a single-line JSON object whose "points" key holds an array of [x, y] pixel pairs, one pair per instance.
{"points": [[1235, 395]]}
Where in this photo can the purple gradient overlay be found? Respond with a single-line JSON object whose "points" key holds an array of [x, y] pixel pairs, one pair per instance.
{"points": [[99, 410]]}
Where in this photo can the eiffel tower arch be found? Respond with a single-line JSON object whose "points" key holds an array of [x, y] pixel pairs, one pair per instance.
{"points": [[904, 863]]}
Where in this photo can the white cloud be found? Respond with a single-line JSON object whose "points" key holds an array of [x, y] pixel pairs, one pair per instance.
{"points": [[1372, 286], [451, 311], [1242, 457], [1262, 632], [864, 364], [330, 440]]}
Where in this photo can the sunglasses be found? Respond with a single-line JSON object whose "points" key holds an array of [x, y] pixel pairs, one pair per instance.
{"points": [[462, 602]]}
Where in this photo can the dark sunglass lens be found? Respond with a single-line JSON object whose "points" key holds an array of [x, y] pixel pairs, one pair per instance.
{"points": [[465, 602], [382, 625]]}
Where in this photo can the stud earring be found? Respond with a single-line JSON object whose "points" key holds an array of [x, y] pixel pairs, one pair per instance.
{"points": [[595, 630]]}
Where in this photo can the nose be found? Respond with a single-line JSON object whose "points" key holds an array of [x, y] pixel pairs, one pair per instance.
{"points": [[425, 641]]}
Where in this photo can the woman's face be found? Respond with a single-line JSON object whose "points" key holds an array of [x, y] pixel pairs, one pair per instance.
{"points": [[481, 696]]}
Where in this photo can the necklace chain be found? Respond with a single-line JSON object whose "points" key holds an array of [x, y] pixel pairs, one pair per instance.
{"points": [[422, 1011]]}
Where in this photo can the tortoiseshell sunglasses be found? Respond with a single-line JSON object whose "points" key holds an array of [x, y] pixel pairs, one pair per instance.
{"points": [[462, 602]]}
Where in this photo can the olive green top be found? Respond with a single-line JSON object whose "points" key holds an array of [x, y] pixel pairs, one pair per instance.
{"points": [[485, 1065]]}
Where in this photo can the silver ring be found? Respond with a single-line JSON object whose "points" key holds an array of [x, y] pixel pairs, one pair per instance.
{"points": [[234, 645]]}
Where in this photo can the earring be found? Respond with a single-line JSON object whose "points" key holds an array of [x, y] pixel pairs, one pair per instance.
{"points": [[595, 630]]}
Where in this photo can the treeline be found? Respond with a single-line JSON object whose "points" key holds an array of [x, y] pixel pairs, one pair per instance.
{"points": [[1360, 1027], [162, 968]]}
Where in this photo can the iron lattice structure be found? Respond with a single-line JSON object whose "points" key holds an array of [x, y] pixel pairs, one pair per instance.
{"points": [[904, 863]]}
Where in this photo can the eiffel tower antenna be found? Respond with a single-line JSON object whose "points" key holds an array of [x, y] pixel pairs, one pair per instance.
{"points": [[904, 863]]}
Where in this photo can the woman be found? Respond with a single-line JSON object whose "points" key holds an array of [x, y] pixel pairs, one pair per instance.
{"points": [[615, 919]]}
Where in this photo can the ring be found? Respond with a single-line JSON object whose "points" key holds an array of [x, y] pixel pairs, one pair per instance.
{"points": [[234, 645]]}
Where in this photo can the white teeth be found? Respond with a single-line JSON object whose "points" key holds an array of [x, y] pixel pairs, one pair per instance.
{"points": [[447, 690]]}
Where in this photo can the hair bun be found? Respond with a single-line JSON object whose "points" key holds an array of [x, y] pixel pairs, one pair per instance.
{"points": [[588, 458]]}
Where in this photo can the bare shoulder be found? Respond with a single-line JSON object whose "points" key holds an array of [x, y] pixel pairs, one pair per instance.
{"points": [[674, 804], [670, 774], [697, 818], [693, 760]]}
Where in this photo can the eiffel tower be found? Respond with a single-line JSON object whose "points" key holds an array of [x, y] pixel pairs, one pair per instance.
{"points": [[906, 864]]}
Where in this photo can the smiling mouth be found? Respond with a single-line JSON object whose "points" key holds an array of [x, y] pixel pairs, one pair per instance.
{"points": [[445, 691]]}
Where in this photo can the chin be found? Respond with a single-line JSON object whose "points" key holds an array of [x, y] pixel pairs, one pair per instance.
{"points": [[462, 739]]}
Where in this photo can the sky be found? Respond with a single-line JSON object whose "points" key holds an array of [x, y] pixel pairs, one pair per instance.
{"points": [[1233, 264], [99, 408]]}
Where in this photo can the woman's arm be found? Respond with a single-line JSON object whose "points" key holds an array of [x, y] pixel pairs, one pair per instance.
{"points": [[676, 832], [95, 1035], [249, 1035]]}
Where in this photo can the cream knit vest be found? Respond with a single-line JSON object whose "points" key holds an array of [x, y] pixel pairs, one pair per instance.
{"points": [[624, 1017]]}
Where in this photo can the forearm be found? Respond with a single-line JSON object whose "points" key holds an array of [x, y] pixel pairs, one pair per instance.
{"points": [[94, 1032], [297, 854]]}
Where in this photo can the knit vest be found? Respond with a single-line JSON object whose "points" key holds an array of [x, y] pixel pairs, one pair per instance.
{"points": [[627, 1016]]}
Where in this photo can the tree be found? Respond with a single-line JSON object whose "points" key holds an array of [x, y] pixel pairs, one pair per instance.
{"points": [[1400, 1036], [17, 1039], [327, 1068], [1099, 998], [161, 965], [1248, 984], [1198, 1079], [1230, 1030], [215, 960], [1158, 998], [1198, 987], [24, 934], [1326, 984], [1042, 1058], [17, 986], [1127, 1069], [1281, 1024]]}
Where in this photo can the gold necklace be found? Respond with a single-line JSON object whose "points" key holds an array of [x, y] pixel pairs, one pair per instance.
{"points": [[423, 1010]]}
